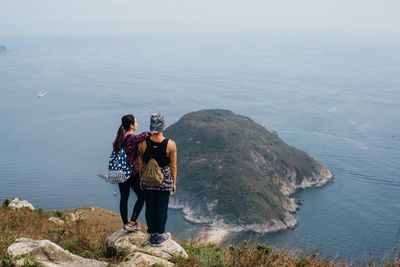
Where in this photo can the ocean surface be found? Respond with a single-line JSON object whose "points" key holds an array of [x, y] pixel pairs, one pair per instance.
{"points": [[338, 99]]}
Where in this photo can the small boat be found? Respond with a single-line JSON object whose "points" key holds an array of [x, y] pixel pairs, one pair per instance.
{"points": [[42, 93]]}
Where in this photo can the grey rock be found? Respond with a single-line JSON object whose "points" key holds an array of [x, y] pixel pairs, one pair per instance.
{"points": [[134, 242], [139, 259], [56, 220], [17, 203], [48, 254]]}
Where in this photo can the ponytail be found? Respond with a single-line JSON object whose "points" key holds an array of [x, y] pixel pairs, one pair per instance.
{"points": [[126, 122], [119, 139]]}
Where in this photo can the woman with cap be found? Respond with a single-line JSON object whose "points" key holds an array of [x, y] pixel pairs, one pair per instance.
{"points": [[163, 150], [129, 141]]}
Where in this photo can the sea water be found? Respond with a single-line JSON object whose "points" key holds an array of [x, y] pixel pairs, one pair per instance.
{"points": [[338, 99]]}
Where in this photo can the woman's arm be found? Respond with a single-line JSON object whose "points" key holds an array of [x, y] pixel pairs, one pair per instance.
{"points": [[140, 137], [137, 138], [173, 158]]}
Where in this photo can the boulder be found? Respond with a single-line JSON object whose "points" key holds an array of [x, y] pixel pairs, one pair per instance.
{"points": [[134, 242], [16, 203], [75, 216], [48, 254], [139, 259], [56, 220]]}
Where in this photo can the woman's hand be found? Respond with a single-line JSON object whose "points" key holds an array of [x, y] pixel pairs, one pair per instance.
{"points": [[141, 185], [173, 191]]}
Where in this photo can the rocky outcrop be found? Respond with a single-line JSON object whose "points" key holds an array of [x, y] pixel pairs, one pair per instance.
{"points": [[213, 235], [48, 254], [139, 259], [137, 242], [134, 245], [3, 49], [16, 204]]}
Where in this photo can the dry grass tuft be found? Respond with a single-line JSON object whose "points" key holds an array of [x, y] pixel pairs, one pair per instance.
{"points": [[260, 255]]}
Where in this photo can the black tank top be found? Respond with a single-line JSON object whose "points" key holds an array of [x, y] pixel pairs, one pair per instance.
{"points": [[157, 151]]}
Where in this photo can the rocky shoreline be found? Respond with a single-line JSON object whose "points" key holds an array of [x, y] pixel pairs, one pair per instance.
{"points": [[215, 228]]}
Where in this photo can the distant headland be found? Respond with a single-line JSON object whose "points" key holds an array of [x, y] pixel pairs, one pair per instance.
{"points": [[3, 49]]}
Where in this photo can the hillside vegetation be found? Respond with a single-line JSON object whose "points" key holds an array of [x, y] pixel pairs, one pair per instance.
{"points": [[86, 237]]}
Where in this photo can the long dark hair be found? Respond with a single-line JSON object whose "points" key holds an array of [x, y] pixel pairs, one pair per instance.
{"points": [[126, 122]]}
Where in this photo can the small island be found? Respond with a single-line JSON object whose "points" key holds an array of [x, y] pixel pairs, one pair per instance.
{"points": [[235, 174], [3, 49]]}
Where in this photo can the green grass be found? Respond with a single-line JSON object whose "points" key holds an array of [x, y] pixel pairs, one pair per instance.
{"points": [[255, 255], [203, 255], [6, 202], [5, 261], [58, 214]]}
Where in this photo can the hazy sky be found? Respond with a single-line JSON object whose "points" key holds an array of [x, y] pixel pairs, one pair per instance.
{"points": [[103, 17]]}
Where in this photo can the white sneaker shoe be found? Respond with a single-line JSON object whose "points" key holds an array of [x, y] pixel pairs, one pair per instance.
{"points": [[132, 226]]}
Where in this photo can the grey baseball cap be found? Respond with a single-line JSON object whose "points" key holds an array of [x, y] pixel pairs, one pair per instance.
{"points": [[157, 122]]}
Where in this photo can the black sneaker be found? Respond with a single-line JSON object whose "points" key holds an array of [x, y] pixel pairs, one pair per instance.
{"points": [[152, 239], [162, 238]]}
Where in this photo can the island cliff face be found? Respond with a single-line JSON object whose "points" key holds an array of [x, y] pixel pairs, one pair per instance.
{"points": [[233, 172]]}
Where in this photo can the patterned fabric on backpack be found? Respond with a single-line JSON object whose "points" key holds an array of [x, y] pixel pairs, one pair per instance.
{"points": [[119, 169]]}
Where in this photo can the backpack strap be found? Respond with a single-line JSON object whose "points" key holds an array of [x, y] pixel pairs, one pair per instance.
{"points": [[150, 148], [135, 151], [122, 146]]}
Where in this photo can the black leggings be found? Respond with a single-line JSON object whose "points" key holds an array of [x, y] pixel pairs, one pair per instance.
{"points": [[124, 189]]}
